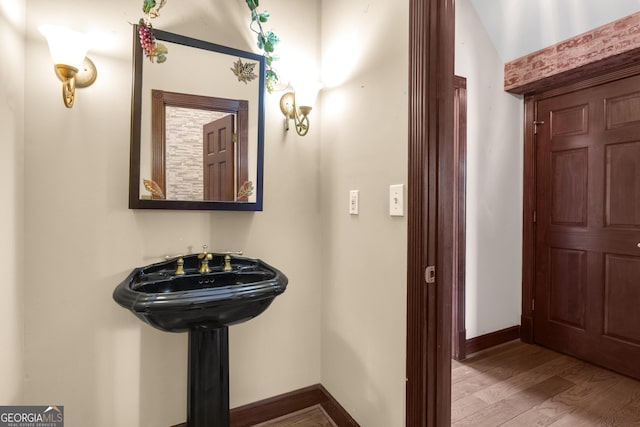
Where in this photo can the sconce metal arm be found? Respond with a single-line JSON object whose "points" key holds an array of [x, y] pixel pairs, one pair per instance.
{"points": [[67, 74], [298, 114]]}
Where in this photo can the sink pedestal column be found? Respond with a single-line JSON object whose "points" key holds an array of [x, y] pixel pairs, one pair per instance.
{"points": [[208, 387]]}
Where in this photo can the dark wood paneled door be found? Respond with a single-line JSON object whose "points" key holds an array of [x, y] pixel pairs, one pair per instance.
{"points": [[587, 287], [218, 159]]}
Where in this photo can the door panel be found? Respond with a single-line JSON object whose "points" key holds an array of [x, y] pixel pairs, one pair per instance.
{"points": [[622, 111], [623, 179], [569, 187], [588, 225], [219, 159], [568, 287], [569, 121], [622, 295]]}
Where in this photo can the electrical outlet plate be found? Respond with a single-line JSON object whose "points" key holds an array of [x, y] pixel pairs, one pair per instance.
{"points": [[354, 202], [396, 200]]}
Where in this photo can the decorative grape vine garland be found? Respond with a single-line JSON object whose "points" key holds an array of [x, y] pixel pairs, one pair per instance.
{"points": [[157, 52]]}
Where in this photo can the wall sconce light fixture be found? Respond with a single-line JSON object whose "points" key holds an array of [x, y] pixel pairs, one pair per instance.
{"points": [[68, 50], [298, 104]]}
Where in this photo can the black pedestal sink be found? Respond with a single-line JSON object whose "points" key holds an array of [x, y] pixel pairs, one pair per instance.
{"points": [[179, 298]]}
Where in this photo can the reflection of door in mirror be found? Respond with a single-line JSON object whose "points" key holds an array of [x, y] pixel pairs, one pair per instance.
{"points": [[218, 159], [199, 146]]}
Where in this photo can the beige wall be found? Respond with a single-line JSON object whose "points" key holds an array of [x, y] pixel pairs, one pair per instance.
{"points": [[494, 181], [364, 147], [12, 15]]}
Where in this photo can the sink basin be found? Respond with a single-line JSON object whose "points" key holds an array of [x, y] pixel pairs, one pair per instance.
{"points": [[181, 303], [204, 305]]}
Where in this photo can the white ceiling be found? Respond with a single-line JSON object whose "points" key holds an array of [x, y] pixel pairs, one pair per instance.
{"points": [[519, 27]]}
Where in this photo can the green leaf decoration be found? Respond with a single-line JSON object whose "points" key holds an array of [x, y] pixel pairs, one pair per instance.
{"points": [[264, 16], [148, 5], [273, 39], [270, 41]]}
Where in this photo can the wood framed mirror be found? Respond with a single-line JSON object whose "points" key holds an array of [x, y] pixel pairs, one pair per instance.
{"points": [[197, 127]]}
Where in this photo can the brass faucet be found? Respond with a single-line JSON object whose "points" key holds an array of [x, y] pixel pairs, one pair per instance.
{"points": [[179, 263], [227, 260], [180, 267], [227, 263], [204, 258]]}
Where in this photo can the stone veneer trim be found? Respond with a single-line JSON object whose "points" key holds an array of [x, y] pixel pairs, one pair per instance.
{"points": [[618, 38]]}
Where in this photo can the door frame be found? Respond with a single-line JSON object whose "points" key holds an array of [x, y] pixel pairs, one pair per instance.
{"points": [[458, 326], [430, 212]]}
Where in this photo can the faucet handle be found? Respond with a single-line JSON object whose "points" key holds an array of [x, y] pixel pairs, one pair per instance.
{"points": [[204, 258], [227, 259], [205, 255], [180, 267], [227, 253]]}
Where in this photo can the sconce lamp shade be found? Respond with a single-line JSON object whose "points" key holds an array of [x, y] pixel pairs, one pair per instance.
{"points": [[307, 92], [66, 46], [68, 50]]}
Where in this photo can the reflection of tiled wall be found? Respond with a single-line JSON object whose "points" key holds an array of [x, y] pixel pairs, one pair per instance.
{"points": [[184, 167]]}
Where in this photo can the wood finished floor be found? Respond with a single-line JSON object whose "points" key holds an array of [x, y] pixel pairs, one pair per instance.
{"points": [[313, 416], [523, 385]]}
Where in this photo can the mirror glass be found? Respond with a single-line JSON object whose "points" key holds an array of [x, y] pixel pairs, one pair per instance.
{"points": [[197, 130]]}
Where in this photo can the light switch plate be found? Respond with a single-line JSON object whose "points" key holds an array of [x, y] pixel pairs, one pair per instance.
{"points": [[396, 200], [354, 202]]}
